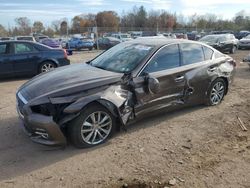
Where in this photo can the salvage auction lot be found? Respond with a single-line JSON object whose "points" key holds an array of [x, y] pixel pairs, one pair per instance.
{"points": [[198, 146]]}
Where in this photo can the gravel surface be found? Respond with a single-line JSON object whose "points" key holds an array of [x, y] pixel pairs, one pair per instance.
{"points": [[195, 147]]}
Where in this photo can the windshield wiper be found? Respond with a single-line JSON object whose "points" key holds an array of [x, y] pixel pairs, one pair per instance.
{"points": [[99, 67]]}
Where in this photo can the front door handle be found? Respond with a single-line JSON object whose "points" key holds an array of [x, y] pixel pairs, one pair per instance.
{"points": [[179, 79]]}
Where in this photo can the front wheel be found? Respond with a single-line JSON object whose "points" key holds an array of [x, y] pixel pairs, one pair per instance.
{"points": [[216, 92], [93, 126]]}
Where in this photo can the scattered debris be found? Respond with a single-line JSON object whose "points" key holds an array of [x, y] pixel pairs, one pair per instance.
{"points": [[172, 182], [243, 127], [46, 178], [187, 146], [180, 179], [156, 181]]}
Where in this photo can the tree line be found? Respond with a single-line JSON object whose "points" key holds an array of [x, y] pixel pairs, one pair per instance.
{"points": [[137, 19]]}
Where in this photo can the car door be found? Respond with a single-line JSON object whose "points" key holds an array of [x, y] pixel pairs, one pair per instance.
{"points": [[165, 67], [197, 67], [26, 58], [6, 65]]}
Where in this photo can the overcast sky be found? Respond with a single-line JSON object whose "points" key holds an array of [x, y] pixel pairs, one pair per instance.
{"points": [[48, 10]]}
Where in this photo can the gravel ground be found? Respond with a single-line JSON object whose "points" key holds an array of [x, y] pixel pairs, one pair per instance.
{"points": [[194, 147]]}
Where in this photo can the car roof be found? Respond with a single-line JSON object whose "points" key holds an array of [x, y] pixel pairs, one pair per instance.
{"points": [[14, 41], [25, 36], [160, 41]]}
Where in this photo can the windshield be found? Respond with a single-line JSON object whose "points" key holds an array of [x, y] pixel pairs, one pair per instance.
{"points": [[122, 58], [212, 39], [247, 37]]}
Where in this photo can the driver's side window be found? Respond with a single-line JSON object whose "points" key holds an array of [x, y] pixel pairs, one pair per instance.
{"points": [[167, 58]]}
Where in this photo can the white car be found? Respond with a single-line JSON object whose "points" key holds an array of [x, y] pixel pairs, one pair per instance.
{"points": [[244, 42]]}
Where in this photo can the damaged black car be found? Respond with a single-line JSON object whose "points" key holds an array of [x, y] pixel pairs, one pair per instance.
{"points": [[87, 102]]}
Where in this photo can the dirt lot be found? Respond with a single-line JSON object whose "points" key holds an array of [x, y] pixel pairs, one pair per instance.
{"points": [[198, 147]]}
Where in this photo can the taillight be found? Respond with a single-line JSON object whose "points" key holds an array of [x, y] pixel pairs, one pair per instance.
{"points": [[65, 54]]}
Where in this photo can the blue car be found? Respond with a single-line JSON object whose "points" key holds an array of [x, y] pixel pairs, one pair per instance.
{"points": [[80, 43]]}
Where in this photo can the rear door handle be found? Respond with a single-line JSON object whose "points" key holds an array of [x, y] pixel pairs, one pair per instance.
{"points": [[179, 79]]}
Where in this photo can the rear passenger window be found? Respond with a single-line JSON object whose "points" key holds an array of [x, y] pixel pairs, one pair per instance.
{"points": [[167, 58], [208, 53], [191, 53], [3, 48], [23, 48]]}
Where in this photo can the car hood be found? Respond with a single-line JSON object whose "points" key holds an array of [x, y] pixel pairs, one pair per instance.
{"points": [[67, 80]]}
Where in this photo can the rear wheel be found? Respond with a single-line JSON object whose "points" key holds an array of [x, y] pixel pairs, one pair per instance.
{"points": [[216, 92], [46, 66], [93, 126]]}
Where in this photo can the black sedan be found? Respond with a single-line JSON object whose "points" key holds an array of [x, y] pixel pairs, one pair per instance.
{"points": [[19, 58], [106, 43], [88, 102], [225, 43]]}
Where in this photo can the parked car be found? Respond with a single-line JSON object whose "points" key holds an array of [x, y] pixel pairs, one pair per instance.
{"points": [[181, 36], [38, 38], [244, 42], [27, 38], [136, 34], [5, 38], [193, 36], [169, 35], [122, 36], [106, 43], [131, 80], [242, 34], [18, 58], [80, 43], [222, 42], [51, 43]]}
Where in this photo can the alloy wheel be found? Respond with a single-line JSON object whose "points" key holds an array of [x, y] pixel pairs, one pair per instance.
{"points": [[96, 127], [217, 93], [47, 67]]}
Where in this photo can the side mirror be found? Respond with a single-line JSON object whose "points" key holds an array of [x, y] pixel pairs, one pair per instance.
{"points": [[153, 85]]}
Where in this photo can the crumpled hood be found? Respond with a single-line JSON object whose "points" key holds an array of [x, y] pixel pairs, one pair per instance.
{"points": [[68, 80]]}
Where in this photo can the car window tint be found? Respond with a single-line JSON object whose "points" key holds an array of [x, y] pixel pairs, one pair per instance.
{"points": [[3, 48], [22, 48], [208, 52], [191, 53], [166, 58]]}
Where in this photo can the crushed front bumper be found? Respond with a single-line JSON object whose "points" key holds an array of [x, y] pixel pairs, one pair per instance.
{"points": [[40, 128]]}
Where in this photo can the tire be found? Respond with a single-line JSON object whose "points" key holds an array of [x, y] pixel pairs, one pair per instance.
{"points": [[83, 133], [234, 48], [90, 49], [216, 92], [46, 66]]}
